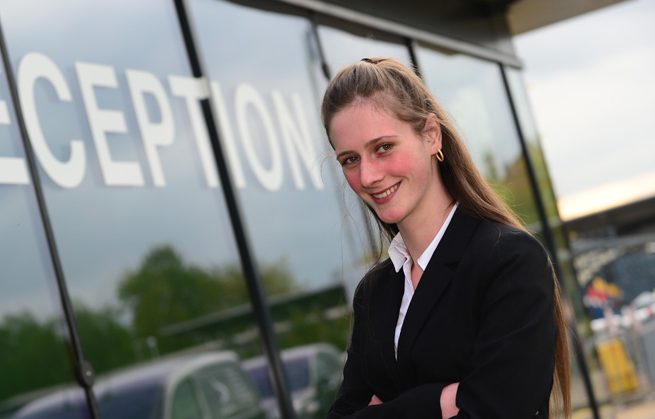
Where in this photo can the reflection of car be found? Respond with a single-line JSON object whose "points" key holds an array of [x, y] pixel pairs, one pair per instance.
{"points": [[197, 386], [314, 374]]}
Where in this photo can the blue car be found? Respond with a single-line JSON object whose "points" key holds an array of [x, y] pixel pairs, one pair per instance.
{"points": [[313, 373], [196, 386]]}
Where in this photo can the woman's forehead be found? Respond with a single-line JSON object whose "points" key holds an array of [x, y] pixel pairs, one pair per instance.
{"points": [[359, 123]]}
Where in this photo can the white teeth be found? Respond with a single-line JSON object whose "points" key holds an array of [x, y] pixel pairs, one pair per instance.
{"points": [[386, 193]]}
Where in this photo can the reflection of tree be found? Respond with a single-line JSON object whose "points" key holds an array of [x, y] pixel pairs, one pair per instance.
{"points": [[513, 186], [107, 343], [309, 324], [165, 290], [543, 177], [32, 355]]}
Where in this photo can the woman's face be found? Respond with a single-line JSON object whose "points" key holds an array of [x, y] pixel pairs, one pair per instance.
{"points": [[386, 162]]}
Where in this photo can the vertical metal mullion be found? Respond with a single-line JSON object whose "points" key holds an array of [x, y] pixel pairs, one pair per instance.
{"points": [[83, 370], [411, 48], [253, 282], [325, 67], [550, 242]]}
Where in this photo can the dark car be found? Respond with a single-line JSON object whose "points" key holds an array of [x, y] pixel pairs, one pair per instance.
{"points": [[314, 374], [195, 386]]}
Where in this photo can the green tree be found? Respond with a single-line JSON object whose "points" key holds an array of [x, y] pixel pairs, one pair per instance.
{"points": [[33, 355], [107, 343], [165, 290]]}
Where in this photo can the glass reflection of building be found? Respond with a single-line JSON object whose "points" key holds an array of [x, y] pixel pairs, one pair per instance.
{"points": [[130, 185]]}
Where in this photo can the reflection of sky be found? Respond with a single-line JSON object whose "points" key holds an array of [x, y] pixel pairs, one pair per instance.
{"points": [[343, 48], [591, 82], [28, 282], [303, 227], [102, 232], [24, 258], [472, 92]]}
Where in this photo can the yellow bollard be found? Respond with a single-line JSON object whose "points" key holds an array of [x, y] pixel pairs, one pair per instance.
{"points": [[619, 369]]}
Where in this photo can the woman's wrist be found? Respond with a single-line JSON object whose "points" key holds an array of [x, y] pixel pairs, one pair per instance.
{"points": [[448, 401]]}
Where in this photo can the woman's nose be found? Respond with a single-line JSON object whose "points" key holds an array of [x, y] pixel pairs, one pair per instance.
{"points": [[369, 173]]}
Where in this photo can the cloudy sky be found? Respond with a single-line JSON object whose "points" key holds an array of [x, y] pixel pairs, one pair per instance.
{"points": [[591, 80]]}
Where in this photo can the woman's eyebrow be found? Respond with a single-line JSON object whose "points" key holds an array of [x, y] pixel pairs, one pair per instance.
{"points": [[368, 144]]}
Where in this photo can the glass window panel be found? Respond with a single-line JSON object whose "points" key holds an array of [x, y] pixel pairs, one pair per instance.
{"points": [[33, 335], [129, 178], [568, 279], [267, 100], [533, 142], [267, 87], [472, 91], [346, 43]]}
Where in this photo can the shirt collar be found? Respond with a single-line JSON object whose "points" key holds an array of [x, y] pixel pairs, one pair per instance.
{"points": [[398, 251]]}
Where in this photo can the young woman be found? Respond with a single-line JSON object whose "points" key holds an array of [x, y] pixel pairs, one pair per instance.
{"points": [[463, 319]]}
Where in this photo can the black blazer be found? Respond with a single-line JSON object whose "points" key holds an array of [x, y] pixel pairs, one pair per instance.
{"points": [[482, 314]]}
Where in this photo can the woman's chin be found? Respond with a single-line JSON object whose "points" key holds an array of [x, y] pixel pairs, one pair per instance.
{"points": [[388, 218]]}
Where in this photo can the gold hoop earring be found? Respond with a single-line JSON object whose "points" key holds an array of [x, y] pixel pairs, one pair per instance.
{"points": [[439, 156]]}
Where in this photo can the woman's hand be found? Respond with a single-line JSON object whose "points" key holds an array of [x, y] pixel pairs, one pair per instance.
{"points": [[448, 401], [375, 400]]}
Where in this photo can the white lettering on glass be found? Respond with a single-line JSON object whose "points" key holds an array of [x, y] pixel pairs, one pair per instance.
{"points": [[298, 143], [154, 134], [32, 67], [103, 121], [248, 97], [193, 90], [264, 156], [13, 170], [227, 136]]}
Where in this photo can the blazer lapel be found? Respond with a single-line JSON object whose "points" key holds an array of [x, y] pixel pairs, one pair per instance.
{"points": [[435, 280]]}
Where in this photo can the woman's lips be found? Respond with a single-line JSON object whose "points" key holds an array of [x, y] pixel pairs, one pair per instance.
{"points": [[386, 195]]}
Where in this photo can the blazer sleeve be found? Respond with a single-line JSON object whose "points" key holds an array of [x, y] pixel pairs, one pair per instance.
{"points": [[513, 358], [354, 393]]}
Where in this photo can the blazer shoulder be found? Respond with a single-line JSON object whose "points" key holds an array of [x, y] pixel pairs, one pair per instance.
{"points": [[372, 278], [499, 239], [514, 259]]}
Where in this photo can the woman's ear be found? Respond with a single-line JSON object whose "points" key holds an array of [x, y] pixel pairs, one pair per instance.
{"points": [[432, 133]]}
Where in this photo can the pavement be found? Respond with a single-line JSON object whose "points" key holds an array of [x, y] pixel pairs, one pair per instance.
{"points": [[641, 410]]}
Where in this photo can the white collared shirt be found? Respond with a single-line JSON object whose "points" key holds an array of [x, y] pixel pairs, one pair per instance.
{"points": [[401, 259]]}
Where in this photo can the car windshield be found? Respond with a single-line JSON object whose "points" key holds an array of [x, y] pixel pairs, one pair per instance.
{"points": [[296, 370], [131, 403]]}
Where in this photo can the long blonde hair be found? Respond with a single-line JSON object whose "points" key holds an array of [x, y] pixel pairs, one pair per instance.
{"points": [[397, 89]]}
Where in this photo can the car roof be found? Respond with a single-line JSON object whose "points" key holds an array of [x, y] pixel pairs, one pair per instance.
{"points": [[296, 352], [155, 373], [160, 371]]}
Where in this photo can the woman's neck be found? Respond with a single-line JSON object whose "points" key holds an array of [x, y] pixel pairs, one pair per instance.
{"points": [[418, 233]]}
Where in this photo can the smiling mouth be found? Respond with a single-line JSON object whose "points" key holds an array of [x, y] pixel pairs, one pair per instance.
{"points": [[386, 192]]}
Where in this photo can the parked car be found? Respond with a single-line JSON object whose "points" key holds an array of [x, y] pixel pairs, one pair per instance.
{"points": [[313, 373], [195, 386]]}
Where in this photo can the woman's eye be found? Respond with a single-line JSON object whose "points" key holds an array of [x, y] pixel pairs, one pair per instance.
{"points": [[348, 160], [384, 147]]}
